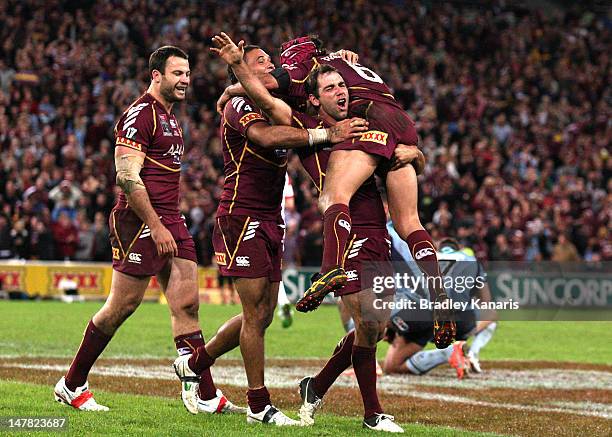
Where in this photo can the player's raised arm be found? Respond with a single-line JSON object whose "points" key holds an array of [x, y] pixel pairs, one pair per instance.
{"points": [[128, 163], [276, 109]]}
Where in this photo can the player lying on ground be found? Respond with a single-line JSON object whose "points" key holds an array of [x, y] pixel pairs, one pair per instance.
{"points": [[352, 163], [149, 236], [409, 331], [329, 96], [248, 234]]}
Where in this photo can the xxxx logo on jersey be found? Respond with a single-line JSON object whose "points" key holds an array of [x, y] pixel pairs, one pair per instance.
{"points": [[375, 136], [246, 119]]}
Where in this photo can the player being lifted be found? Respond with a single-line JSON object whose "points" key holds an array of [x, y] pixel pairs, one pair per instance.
{"points": [[352, 163], [149, 236], [248, 234], [369, 239]]}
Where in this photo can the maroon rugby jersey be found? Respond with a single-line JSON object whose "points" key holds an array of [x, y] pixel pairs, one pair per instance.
{"points": [[254, 176], [366, 207], [147, 127], [363, 83]]}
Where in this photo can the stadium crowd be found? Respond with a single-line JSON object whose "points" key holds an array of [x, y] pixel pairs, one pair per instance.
{"points": [[513, 107]]}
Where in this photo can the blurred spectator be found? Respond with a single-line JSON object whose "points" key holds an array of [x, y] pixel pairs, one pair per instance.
{"points": [[101, 243], [511, 103], [66, 237], [6, 242], [564, 250]]}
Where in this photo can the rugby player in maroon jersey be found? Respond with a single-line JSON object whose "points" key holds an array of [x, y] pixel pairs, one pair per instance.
{"points": [[369, 239], [149, 237], [352, 163], [248, 233]]}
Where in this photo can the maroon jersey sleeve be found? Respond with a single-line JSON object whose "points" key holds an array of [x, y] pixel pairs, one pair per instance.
{"points": [[136, 127], [240, 113]]}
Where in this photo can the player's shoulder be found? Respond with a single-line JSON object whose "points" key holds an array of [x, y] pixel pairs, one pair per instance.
{"points": [[241, 111], [138, 117]]}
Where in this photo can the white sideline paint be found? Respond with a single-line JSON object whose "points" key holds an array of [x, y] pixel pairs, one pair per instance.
{"points": [[287, 377]]}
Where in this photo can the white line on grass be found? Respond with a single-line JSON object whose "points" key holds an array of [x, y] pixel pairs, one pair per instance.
{"points": [[287, 377]]}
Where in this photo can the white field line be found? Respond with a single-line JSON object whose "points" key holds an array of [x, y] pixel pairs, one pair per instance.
{"points": [[287, 377]]}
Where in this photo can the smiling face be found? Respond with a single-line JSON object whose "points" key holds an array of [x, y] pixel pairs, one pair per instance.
{"points": [[259, 61], [333, 95], [174, 81]]}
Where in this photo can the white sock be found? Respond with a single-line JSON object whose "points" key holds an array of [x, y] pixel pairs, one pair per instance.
{"points": [[482, 338], [282, 296], [423, 361]]}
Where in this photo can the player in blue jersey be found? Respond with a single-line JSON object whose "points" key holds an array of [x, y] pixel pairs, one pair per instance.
{"points": [[410, 330]]}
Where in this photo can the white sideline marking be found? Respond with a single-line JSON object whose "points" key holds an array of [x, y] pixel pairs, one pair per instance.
{"points": [[287, 377]]}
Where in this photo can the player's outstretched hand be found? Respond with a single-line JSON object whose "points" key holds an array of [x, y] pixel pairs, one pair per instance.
{"points": [[164, 241], [227, 50], [347, 129], [405, 155], [348, 56]]}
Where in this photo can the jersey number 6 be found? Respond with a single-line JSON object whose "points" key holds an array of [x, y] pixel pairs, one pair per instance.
{"points": [[366, 73]]}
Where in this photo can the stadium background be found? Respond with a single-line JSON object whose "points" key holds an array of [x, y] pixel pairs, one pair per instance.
{"points": [[512, 105]]}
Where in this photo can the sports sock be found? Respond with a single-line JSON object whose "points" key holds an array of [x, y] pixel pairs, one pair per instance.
{"points": [[424, 254], [258, 399], [336, 231], [364, 363], [282, 296], [94, 342], [423, 361], [338, 363], [190, 344], [482, 338]]}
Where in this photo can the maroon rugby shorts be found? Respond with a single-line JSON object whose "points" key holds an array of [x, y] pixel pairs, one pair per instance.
{"points": [[388, 126], [134, 252], [246, 247], [368, 255]]}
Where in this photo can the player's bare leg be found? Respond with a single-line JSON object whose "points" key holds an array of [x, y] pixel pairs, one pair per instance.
{"points": [[198, 390], [402, 195], [399, 351], [256, 317], [125, 296], [346, 172], [181, 290], [228, 336]]}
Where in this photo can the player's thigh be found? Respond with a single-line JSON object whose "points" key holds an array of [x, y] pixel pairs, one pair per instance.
{"points": [[126, 292], [181, 287], [402, 196], [346, 171]]}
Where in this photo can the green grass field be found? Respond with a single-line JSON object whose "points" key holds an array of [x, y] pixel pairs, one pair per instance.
{"points": [[52, 329]]}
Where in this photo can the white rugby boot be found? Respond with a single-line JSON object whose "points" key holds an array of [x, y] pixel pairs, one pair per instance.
{"points": [[382, 422], [271, 416], [81, 398]]}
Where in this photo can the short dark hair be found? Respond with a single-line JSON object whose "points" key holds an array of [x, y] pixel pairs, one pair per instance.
{"points": [[157, 60], [312, 81], [232, 77]]}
